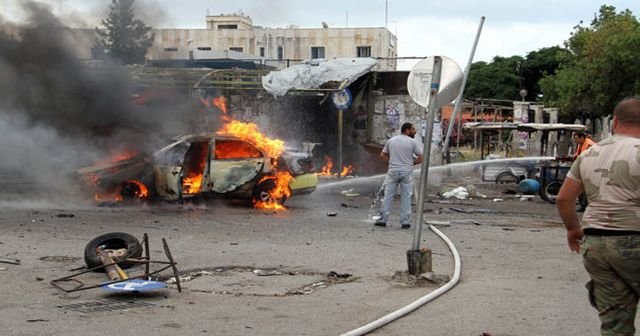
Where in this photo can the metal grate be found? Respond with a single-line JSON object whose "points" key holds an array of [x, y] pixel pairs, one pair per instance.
{"points": [[104, 305]]}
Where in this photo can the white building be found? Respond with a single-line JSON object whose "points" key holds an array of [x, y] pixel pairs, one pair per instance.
{"points": [[235, 36]]}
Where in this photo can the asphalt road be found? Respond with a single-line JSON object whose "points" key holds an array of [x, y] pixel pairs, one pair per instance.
{"points": [[265, 273]]}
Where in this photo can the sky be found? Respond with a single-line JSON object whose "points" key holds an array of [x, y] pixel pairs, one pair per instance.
{"points": [[423, 27]]}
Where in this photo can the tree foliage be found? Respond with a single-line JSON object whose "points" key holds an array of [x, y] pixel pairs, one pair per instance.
{"points": [[124, 38], [603, 68], [495, 80], [503, 78]]}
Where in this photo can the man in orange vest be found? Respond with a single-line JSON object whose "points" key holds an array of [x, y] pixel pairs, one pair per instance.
{"points": [[583, 142]]}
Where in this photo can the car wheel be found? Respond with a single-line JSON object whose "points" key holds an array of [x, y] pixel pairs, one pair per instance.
{"points": [[549, 192], [507, 178], [131, 190], [113, 240], [262, 193]]}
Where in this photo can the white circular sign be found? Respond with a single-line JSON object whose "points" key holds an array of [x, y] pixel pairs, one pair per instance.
{"points": [[419, 82], [342, 99]]}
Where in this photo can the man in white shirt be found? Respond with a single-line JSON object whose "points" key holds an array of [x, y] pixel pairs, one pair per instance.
{"points": [[402, 152]]}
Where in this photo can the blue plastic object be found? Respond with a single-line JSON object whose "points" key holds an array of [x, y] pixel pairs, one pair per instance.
{"points": [[135, 285], [529, 186]]}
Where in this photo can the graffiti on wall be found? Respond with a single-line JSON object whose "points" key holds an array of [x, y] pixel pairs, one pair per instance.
{"points": [[393, 109]]}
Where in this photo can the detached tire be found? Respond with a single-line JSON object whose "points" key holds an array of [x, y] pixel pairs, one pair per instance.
{"points": [[113, 240]]}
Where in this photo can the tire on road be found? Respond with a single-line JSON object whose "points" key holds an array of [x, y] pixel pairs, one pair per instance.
{"points": [[113, 240]]}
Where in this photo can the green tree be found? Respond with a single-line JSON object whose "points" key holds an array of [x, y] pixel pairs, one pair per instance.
{"points": [[503, 78], [604, 66], [498, 79], [124, 38], [539, 64]]}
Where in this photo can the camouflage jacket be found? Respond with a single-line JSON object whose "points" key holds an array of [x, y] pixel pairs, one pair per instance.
{"points": [[610, 174]]}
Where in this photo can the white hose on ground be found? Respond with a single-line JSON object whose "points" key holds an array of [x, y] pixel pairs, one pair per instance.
{"points": [[423, 300]]}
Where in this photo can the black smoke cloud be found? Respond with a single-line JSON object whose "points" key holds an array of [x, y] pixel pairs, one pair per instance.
{"points": [[57, 114]]}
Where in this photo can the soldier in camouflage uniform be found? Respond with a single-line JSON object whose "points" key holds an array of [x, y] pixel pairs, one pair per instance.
{"points": [[609, 237]]}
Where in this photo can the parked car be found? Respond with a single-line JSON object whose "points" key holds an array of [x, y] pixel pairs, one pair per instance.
{"points": [[198, 164]]}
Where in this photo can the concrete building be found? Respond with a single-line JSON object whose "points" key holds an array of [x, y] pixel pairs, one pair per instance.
{"points": [[235, 36]]}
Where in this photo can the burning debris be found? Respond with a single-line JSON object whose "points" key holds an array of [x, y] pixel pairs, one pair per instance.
{"points": [[327, 168]]}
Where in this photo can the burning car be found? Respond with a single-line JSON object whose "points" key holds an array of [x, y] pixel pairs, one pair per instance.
{"points": [[200, 164]]}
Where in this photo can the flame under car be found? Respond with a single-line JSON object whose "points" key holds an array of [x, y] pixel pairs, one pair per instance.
{"points": [[200, 164]]}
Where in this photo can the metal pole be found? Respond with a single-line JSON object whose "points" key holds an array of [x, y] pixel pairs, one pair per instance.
{"points": [[424, 168], [456, 107], [339, 143], [386, 14]]}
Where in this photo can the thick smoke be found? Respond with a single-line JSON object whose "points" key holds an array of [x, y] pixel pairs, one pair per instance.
{"points": [[57, 114]]}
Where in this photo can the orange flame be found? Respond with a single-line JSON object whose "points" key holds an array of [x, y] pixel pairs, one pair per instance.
{"points": [[249, 132], [272, 147], [191, 184], [280, 191], [346, 170], [327, 169], [221, 103], [142, 191], [118, 156]]}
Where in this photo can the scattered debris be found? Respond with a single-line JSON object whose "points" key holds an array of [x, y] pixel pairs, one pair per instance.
{"points": [[350, 193], [476, 210], [12, 261], [190, 276], [498, 200], [332, 214], [260, 272], [58, 259], [438, 279], [345, 205], [449, 223], [334, 274], [459, 193]]}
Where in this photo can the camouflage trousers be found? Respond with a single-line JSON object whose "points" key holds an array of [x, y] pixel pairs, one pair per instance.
{"points": [[613, 263]]}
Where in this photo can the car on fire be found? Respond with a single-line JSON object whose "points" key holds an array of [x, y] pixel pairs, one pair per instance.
{"points": [[203, 164]]}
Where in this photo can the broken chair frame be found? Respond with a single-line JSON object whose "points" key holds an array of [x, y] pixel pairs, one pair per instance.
{"points": [[146, 260]]}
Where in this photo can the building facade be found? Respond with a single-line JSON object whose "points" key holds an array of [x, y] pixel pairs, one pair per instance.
{"points": [[235, 36]]}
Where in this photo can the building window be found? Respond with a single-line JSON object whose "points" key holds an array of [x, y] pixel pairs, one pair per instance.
{"points": [[363, 51], [261, 51], [317, 52], [280, 53], [227, 26], [204, 48], [170, 49], [238, 49]]}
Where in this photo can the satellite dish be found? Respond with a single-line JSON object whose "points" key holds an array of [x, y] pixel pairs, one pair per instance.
{"points": [[420, 78]]}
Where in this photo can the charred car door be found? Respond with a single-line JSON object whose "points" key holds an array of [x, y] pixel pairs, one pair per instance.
{"points": [[181, 170], [234, 163], [167, 171]]}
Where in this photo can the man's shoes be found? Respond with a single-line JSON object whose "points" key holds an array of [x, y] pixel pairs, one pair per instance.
{"points": [[406, 226], [378, 223]]}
